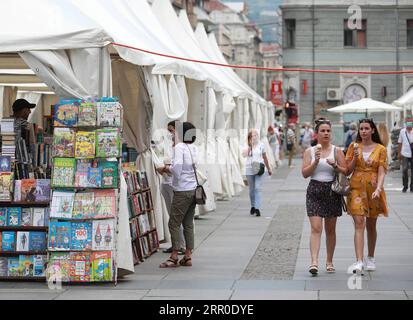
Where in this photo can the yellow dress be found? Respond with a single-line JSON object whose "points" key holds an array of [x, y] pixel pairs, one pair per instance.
{"points": [[363, 183]]}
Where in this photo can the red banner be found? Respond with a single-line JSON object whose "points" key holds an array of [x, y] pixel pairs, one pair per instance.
{"points": [[276, 92]]}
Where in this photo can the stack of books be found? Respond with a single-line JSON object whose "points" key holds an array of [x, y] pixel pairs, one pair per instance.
{"points": [[8, 138]]}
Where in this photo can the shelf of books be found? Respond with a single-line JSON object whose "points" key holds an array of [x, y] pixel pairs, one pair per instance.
{"points": [[85, 187], [24, 202], [141, 215]]}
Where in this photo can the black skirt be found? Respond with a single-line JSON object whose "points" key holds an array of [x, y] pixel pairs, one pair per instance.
{"points": [[321, 201]]}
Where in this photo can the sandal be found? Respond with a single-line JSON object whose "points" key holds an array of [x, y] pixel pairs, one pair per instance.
{"points": [[170, 263], [186, 261], [330, 268], [313, 269]]}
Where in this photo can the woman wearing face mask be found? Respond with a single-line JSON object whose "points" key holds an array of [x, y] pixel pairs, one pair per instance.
{"points": [[255, 153], [367, 159], [320, 163]]}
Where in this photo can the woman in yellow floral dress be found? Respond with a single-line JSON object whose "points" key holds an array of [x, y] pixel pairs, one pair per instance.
{"points": [[367, 160]]}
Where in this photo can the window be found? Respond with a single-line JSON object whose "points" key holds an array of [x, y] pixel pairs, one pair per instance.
{"points": [[355, 38], [410, 33], [290, 34]]}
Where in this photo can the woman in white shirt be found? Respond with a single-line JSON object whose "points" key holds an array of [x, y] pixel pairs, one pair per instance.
{"points": [[320, 163], [184, 184], [256, 155]]}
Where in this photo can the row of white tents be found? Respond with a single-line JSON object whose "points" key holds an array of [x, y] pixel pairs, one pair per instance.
{"points": [[68, 46]]}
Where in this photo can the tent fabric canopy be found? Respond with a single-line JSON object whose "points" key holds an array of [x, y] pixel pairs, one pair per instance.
{"points": [[407, 98], [364, 105]]}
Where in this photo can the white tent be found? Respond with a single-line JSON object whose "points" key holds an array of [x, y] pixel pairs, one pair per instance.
{"points": [[365, 105], [405, 101]]}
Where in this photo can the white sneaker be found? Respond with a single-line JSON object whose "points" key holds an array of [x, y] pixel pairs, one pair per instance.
{"points": [[357, 268], [370, 264]]}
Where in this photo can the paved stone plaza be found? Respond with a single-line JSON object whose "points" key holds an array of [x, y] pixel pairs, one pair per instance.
{"points": [[239, 256]]}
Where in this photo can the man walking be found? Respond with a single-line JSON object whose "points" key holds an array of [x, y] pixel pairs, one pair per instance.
{"points": [[291, 142], [405, 154]]}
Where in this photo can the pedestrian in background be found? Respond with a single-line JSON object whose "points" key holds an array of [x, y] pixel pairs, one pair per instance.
{"points": [[320, 163], [256, 158], [291, 144], [367, 160], [350, 136], [184, 184], [307, 137], [405, 153], [274, 141]]}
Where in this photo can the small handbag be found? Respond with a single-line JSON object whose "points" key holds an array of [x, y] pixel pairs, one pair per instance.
{"points": [[257, 167], [341, 183], [200, 195]]}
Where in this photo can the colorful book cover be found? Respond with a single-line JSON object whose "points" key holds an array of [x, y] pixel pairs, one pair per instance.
{"points": [[17, 193], [85, 144], [81, 236], [59, 235], [13, 267], [103, 233], [38, 219], [107, 143], [4, 266], [105, 203], [14, 215], [3, 216], [62, 204], [109, 174], [84, 205], [42, 190], [5, 163], [26, 217], [22, 243], [37, 241], [6, 182], [94, 177], [109, 114], [102, 266], [64, 142], [26, 265], [28, 190], [80, 267], [87, 114], [65, 113], [39, 265], [63, 172], [8, 242], [82, 168], [58, 266]]}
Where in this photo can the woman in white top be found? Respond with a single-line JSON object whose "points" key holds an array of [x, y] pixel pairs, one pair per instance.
{"points": [[184, 184], [256, 155], [320, 163]]}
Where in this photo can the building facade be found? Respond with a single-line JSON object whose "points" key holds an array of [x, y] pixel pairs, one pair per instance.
{"points": [[335, 35]]}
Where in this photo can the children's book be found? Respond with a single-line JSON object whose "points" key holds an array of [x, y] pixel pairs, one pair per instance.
{"points": [[17, 193], [63, 172], [107, 143], [26, 217], [26, 265], [5, 163], [28, 190], [109, 114], [65, 113], [6, 182], [14, 215], [22, 243], [42, 190], [102, 266], [105, 203], [58, 267], [64, 142], [81, 236], [38, 219], [94, 177], [103, 233], [84, 205], [8, 241], [59, 235], [3, 216], [62, 204], [87, 114], [85, 144], [82, 169], [37, 241], [80, 267], [13, 267], [39, 265], [109, 174], [4, 266]]}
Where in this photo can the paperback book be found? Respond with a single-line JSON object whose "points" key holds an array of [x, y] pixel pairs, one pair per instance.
{"points": [[14, 216], [39, 265], [85, 145], [42, 190], [109, 114], [3, 216], [39, 217], [13, 267], [81, 236], [87, 114], [84, 205], [107, 143], [103, 234], [59, 235], [65, 113], [102, 266], [64, 142], [37, 241], [80, 267], [28, 189], [58, 267], [8, 242], [5, 163], [109, 174], [26, 265], [105, 203], [26, 217], [63, 172], [62, 204]]}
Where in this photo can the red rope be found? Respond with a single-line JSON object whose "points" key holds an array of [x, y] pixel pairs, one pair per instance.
{"points": [[262, 68]]}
